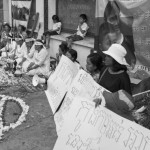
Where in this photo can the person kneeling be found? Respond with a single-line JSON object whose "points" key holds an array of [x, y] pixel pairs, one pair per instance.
{"points": [[40, 63]]}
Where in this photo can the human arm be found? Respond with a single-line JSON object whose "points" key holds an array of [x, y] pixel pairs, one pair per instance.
{"points": [[4, 49], [39, 61], [125, 83], [31, 53], [32, 66], [56, 26], [83, 28]]}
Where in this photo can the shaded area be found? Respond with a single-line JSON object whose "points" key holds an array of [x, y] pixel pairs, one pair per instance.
{"points": [[38, 132]]}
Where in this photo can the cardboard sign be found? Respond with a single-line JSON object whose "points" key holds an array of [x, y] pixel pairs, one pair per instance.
{"points": [[87, 128], [83, 85], [60, 81]]}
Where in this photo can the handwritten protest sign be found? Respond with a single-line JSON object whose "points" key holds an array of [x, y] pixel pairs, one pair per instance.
{"points": [[60, 81], [83, 85], [87, 128]]}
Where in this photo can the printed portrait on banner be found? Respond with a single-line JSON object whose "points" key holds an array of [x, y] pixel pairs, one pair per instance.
{"points": [[127, 23]]}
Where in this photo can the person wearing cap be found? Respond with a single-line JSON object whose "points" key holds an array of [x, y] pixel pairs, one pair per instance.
{"points": [[40, 64], [26, 53], [114, 76]]}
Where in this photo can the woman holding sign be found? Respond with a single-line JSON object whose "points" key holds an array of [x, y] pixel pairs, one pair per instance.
{"points": [[114, 76]]}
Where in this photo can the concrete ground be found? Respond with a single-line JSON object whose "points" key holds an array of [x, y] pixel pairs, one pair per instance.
{"points": [[38, 132]]}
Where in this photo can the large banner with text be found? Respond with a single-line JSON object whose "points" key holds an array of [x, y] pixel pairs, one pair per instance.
{"points": [[90, 128]]}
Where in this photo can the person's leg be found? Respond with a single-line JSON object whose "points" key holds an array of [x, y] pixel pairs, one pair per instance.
{"points": [[72, 39], [47, 41], [50, 33]]}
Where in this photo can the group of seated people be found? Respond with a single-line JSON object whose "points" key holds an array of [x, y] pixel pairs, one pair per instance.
{"points": [[24, 53], [32, 57]]}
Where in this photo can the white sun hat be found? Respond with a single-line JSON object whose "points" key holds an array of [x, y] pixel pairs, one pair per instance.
{"points": [[117, 52]]}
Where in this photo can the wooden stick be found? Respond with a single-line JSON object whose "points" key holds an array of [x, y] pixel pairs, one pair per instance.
{"points": [[141, 93]]}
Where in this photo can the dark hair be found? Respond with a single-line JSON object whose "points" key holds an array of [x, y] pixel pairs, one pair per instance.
{"points": [[7, 26], [118, 67], [56, 18], [64, 47], [23, 28], [84, 17], [73, 53], [96, 60], [111, 10]]}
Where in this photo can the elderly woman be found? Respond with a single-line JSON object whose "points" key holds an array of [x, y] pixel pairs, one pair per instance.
{"points": [[40, 63]]}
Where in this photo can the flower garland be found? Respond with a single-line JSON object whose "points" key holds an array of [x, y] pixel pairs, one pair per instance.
{"points": [[24, 111], [7, 78]]}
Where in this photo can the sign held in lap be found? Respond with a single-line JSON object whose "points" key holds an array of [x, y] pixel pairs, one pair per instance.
{"points": [[59, 82]]}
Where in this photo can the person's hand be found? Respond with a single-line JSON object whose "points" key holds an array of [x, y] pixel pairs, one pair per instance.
{"points": [[29, 68], [97, 102]]}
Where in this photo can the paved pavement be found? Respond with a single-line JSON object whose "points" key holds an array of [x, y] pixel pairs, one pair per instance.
{"points": [[38, 132]]}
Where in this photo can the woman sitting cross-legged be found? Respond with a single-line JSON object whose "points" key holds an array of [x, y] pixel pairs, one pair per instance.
{"points": [[40, 63], [25, 53]]}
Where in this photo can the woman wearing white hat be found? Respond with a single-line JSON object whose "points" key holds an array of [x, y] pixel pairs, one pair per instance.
{"points": [[114, 77], [40, 63]]}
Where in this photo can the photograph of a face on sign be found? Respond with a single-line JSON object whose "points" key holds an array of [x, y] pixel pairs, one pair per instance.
{"points": [[127, 23]]}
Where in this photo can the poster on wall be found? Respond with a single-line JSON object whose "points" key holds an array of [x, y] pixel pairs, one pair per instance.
{"points": [[129, 22], [20, 12]]}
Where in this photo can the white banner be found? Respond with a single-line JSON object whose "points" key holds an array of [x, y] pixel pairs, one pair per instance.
{"points": [[83, 85], [59, 82], [87, 128]]}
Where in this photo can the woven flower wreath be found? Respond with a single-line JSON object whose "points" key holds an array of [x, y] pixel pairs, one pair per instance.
{"points": [[7, 123]]}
